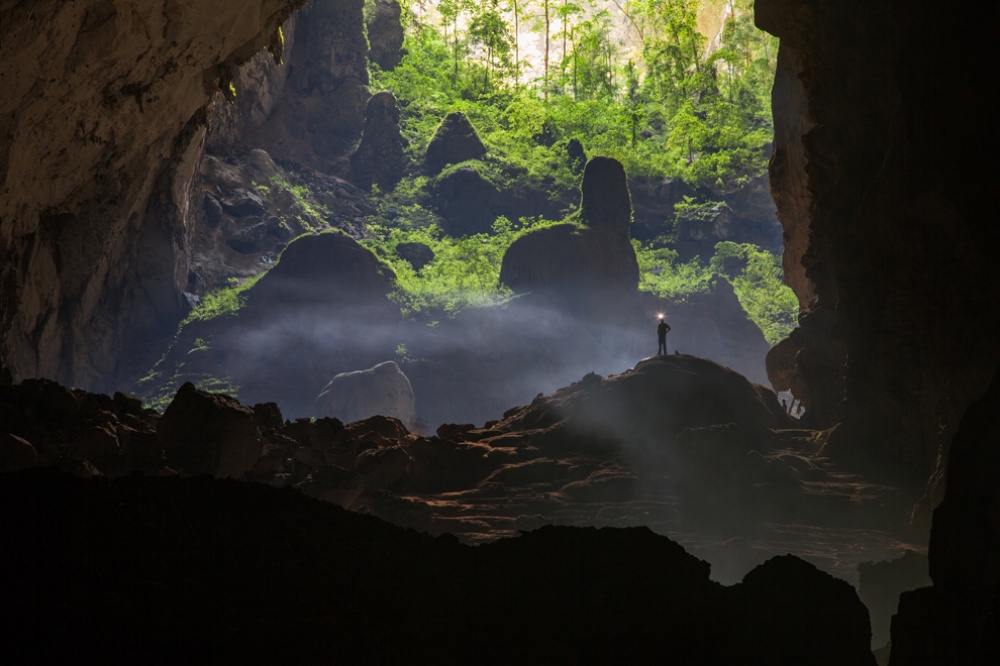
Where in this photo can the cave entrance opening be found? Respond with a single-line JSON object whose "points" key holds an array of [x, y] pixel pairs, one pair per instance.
{"points": [[482, 123]]}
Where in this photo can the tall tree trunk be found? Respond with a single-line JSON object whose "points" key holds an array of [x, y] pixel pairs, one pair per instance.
{"points": [[455, 35], [517, 51], [545, 81]]}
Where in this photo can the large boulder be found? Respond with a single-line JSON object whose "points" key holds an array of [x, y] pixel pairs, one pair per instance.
{"points": [[454, 141], [417, 254], [329, 268], [467, 202], [786, 611], [565, 258], [650, 404], [382, 389], [206, 433], [379, 158], [590, 262]]}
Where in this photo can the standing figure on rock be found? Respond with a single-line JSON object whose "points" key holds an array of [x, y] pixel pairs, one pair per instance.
{"points": [[661, 334]]}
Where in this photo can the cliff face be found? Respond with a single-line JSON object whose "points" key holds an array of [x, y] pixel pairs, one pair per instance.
{"points": [[880, 177], [101, 127]]}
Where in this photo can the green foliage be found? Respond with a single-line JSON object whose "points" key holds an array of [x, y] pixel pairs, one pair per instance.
{"points": [[221, 302], [661, 273], [757, 280], [677, 113], [465, 272], [754, 273], [672, 110], [690, 212]]}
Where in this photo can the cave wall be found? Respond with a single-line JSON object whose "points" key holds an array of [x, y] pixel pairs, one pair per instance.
{"points": [[882, 172], [102, 121]]}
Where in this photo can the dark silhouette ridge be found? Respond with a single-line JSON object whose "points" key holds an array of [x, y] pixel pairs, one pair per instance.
{"points": [[162, 570]]}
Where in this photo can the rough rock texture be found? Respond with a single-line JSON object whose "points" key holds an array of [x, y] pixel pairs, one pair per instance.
{"points": [[382, 389], [882, 184], [467, 202], [418, 254], [659, 398], [957, 621], [321, 113], [379, 157], [714, 325], [204, 433], [329, 268], [259, 85], [746, 215], [653, 202], [321, 310], [454, 141], [596, 263], [679, 444], [385, 34], [807, 355], [101, 126], [605, 202]]}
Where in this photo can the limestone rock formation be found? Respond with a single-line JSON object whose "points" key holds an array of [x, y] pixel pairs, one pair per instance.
{"points": [[328, 268], [322, 309], [321, 113], [714, 325], [655, 401], [653, 201], [102, 125], [204, 433], [379, 157], [454, 141], [44, 423], [259, 85], [957, 621], [678, 443], [382, 390], [806, 356], [605, 202], [418, 254], [885, 211], [576, 156], [592, 262], [467, 202], [385, 34], [746, 215], [786, 594]]}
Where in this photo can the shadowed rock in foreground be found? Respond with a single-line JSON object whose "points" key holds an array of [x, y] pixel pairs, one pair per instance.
{"points": [[679, 444], [197, 570]]}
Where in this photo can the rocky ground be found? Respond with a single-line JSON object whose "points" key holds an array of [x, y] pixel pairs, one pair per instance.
{"points": [[197, 570], [678, 446]]}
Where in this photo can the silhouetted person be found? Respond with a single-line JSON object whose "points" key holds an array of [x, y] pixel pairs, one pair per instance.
{"points": [[661, 335]]}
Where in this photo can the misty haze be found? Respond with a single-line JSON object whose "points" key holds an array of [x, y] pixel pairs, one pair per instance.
{"points": [[330, 331]]}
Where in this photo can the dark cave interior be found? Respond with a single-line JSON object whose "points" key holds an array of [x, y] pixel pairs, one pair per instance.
{"points": [[882, 176]]}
